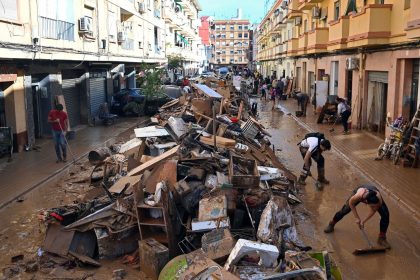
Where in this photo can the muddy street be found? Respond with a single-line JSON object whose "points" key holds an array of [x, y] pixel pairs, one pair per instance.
{"points": [[401, 262]]}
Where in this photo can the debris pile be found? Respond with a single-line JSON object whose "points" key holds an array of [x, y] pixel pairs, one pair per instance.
{"points": [[198, 194]]}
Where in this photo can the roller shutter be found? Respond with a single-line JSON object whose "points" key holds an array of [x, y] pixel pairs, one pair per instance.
{"points": [[379, 77], [97, 89], [72, 98]]}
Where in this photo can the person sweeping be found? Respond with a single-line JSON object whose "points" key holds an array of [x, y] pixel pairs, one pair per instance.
{"points": [[312, 147], [344, 112], [59, 122], [371, 196]]}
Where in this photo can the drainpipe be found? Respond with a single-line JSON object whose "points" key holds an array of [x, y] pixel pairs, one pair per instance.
{"points": [[362, 57]]}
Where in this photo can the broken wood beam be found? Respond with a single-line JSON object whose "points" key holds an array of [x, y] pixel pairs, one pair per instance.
{"points": [[154, 161]]}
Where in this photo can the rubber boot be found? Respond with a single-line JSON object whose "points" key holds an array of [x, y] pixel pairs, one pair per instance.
{"points": [[321, 176], [383, 242], [301, 180], [329, 228]]}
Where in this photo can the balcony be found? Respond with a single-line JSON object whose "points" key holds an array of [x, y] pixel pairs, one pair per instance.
{"points": [[317, 40], [292, 46], [306, 5], [413, 24], [303, 43], [369, 27], [292, 11], [338, 33]]}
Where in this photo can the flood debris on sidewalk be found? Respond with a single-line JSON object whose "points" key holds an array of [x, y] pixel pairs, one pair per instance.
{"points": [[198, 194]]}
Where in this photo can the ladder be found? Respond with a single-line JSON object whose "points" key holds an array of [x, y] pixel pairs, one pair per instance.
{"points": [[411, 157]]}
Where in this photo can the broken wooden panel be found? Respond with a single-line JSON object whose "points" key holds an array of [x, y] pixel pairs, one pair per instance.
{"points": [[166, 171], [57, 240], [153, 257], [212, 208], [126, 182], [114, 245], [154, 161], [243, 173], [217, 244], [220, 141]]}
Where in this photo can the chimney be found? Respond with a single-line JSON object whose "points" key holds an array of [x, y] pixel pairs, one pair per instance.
{"points": [[239, 13]]}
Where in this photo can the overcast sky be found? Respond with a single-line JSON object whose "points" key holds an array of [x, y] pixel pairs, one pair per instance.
{"points": [[254, 10]]}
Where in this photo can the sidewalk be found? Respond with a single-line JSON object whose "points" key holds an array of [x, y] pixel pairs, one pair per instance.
{"points": [[30, 169], [359, 148]]}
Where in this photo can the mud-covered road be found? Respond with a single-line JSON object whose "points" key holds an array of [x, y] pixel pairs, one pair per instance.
{"points": [[401, 262]]}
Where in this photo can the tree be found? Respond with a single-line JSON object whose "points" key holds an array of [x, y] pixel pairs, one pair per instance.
{"points": [[175, 61], [150, 80]]}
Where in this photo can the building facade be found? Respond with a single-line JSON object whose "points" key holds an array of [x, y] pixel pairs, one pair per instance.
{"points": [[367, 50], [82, 50], [230, 41], [182, 38], [204, 32]]}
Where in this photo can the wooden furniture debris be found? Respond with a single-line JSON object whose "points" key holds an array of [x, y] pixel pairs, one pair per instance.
{"points": [[243, 173], [412, 157], [154, 161], [153, 257], [220, 141]]}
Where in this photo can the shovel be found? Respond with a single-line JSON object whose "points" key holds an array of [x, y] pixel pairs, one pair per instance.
{"points": [[332, 129], [371, 249]]}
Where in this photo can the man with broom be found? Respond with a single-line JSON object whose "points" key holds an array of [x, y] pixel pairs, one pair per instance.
{"points": [[59, 122], [371, 196]]}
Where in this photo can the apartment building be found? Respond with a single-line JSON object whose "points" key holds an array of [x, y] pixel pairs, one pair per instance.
{"points": [[84, 50], [230, 40], [204, 33], [182, 38], [367, 50]]}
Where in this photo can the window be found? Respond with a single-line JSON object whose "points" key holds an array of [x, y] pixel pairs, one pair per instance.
{"points": [[217, 43], [223, 36], [217, 27], [240, 59], [223, 59], [112, 26], [140, 45], [223, 43], [246, 27], [231, 35], [407, 4], [231, 44], [232, 60], [57, 21], [336, 10], [232, 52], [232, 27], [149, 4], [239, 51], [239, 35], [240, 27], [223, 27], [9, 10], [245, 35]]}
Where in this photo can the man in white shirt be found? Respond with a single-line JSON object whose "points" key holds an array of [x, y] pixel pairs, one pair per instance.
{"points": [[311, 148], [344, 112]]}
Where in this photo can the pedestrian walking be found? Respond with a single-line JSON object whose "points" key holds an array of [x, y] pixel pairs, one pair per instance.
{"points": [[279, 90], [344, 112], [264, 90], [302, 100], [312, 147], [371, 196], [59, 123], [273, 97]]}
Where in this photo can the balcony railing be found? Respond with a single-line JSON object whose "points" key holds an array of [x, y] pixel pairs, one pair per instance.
{"points": [[292, 46], [338, 33], [56, 29], [369, 27], [317, 40], [303, 43]]}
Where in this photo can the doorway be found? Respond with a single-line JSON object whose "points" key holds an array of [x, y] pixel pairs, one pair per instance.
{"points": [[334, 78], [303, 84], [311, 84], [414, 98], [349, 93], [377, 102]]}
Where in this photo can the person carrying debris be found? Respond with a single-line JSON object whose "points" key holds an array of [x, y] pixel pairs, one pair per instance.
{"points": [[371, 196], [312, 146], [59, 122], [344, 112]]}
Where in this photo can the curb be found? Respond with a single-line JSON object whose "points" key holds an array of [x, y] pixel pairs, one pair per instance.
{"points": [[64, 168], [398, 199]]}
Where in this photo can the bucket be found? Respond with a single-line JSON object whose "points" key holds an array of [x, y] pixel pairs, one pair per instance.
{"points": [[70, 135]]}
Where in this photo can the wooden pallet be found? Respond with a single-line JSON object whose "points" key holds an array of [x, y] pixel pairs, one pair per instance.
{"points": [[411, 157]]}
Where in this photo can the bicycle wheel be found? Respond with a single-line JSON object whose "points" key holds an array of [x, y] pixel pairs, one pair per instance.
{"points": [[381, 151], [396, 154]]}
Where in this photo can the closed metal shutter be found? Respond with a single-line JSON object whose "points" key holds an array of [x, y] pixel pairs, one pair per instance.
{"points": [[72, 98], [380, 77], [97, 89]]}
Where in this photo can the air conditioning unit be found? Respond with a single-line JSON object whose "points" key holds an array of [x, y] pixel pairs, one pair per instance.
{"points": [[284, 5], [298, 21], [142, 8], [121, 36], [316, 12], [352, 63], [85, 24]]}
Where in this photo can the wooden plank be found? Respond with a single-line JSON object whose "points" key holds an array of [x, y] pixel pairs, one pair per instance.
{"points": [[153, 162], [166, 171], [220, 141], [122, 182]]}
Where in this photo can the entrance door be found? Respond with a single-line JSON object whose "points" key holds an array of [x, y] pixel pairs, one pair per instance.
{"points": [[377, 101], [97, 87], [2, 109], [334, 78], [349, 87], [414, 99]]}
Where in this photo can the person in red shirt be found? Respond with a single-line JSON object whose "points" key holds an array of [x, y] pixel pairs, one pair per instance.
{"points": [[59, 122]]}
